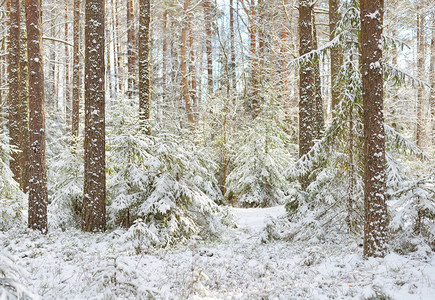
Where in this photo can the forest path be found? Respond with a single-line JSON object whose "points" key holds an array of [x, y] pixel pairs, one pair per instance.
{"points": [[255, 219]]}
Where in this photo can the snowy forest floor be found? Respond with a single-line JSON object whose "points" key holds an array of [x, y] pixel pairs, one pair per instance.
{"points": [[76, 265]]}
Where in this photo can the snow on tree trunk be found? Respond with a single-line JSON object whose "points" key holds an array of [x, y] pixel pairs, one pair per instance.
{"points": [[192, 68], [24, 105], [94, 201], [131, 49], [165, 54], [336, 57], [432, 77], [184, 74], [14, 87], [144, 57], [76, 71], [67, 69], [376, 218], [38, 196], [307, 100], [254, 60], [319, 119], [232, 47], [208, 44], [420, 132]]}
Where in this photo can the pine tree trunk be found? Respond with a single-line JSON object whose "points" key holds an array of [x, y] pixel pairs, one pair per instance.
{"points": [[336, 57], [376, 218], [131, 49], [432, 76], [76, 71], [38, 195], [307, 98], [14, 87], [319, 119], [165, 54], [192, 69], [144, 65], [67, 70], [24, 105], [421, 74], [94, 201], [254, 60], [183, 57], [232, 47], [283, 61], [208, 45]]}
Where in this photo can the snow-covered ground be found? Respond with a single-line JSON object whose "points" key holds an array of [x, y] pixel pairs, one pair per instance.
{"points": [[75, 265]]}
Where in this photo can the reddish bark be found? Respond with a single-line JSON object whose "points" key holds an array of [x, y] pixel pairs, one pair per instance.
{"points": [[94, 200], [38, 195], [144, 57], [376, 218]]}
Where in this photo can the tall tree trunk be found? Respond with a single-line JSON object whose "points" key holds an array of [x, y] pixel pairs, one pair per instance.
{"points": [[67, 70], [165, 54], [131, 49], [307, 98], [117, 45], [420, 132], [336, 57], [432, 76], [38, 195], [192, 69], [376, 218], [208, 44], [14, 87], [144, 64], [94, 201], [283, 61], [52, 94], [183, 57], [232, 47], [319, 119], [254, 60], [24, 105], [76, 71]]}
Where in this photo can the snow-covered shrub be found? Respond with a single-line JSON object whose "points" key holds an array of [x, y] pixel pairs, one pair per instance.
{"points": [[161, 179], [259, 160], [12, 199], [333, 202], [334, 198], [65, 183], [412, 208]]}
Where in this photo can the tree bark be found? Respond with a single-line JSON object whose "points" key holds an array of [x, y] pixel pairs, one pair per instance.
{"points": [[319, 119], [307, 98], [24, 106], [67, 70], [131, 48], [192, 69], [208, 44], [14, 87], [94, 201], [165, 54], [38, 196], [432, 76], [376, 218], [420, 132], [183, 56], [336, 57], [232, 47], [76, 71], [144, 65], [254, 60]]}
